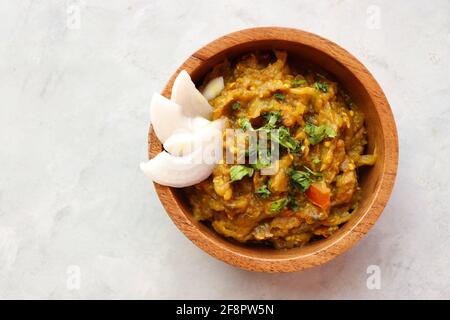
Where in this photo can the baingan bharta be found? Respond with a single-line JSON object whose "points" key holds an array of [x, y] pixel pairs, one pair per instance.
{"points": [[322, 139]]}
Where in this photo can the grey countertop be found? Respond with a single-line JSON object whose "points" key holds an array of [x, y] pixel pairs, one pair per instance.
{"points": [[79, 220]]}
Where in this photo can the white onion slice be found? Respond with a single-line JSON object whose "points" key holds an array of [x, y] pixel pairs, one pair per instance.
{"points": [[189, 168], [206, 136], [213, 88], [193, 144], [167, 118], [184, 93], [178, 172]]}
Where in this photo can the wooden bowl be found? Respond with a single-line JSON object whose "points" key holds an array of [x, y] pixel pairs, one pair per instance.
{"points": [[376, 182]]}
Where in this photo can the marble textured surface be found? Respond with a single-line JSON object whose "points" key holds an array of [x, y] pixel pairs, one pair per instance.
{"points": [[76, 79]]}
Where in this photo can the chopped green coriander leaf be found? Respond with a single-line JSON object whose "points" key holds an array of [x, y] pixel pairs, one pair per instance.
{"points": [[292, 203], [263, 192], [278, 205], [298, 82], [330, 132], [279, 96], [302, 179], [286, 140], [315, 160], [262, 160], [245, 124], [236, 106], [321, 86], [252, 151], [317, 134], [238, 172], [260, 164], [298, 149], [272, 118]]}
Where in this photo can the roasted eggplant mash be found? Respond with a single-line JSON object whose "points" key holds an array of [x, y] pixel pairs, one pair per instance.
{"points": [[322, 140]]}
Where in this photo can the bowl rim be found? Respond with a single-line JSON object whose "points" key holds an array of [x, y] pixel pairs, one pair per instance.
{"points": [[246, 259]]}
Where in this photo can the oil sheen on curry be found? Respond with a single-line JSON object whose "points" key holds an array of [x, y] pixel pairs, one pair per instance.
{"points": [[322, 140]]}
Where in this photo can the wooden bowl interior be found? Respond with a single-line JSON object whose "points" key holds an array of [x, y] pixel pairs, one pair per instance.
{"points": [[369, 177]]}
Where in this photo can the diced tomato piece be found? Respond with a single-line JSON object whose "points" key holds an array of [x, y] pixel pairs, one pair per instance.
{"points": [[319, 194]]}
